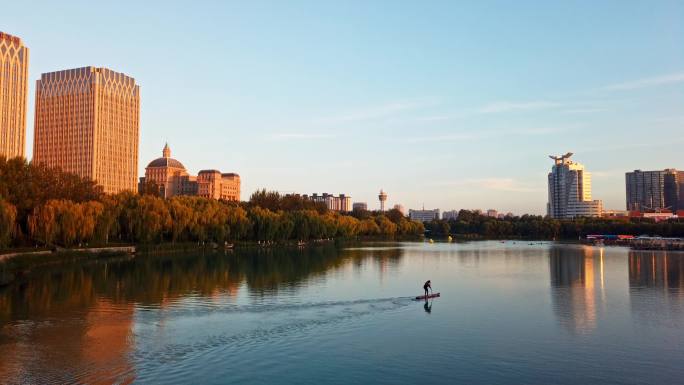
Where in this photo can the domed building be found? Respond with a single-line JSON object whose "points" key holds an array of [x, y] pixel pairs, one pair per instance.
{"points": [[169, 175], [172, 179]]}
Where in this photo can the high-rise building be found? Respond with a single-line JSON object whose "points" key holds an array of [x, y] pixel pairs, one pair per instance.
{"points": [[423, 215], [674, 190], [14, 60], [88, 123], [654, 190], [570, 190]]}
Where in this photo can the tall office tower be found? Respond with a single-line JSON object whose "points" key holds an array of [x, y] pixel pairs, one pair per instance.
{"points": [[674, 189], [88, 123], [14, 58], [644, 190], [654, 190], [570, 190]]}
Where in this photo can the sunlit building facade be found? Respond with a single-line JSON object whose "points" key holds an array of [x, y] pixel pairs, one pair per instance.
{"points": [[570, 191], [87, 122], [172, 179], [14, 60], [169, 176], [216, 185]]}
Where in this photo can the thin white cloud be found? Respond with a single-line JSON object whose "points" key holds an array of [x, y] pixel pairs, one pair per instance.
{"points": [[608, 173], [584, 110], [440, 138], [506, 106], [628, 146], [535, 130], [496, 184], [673, 78], [299, 135], [432, 118], [486, 133], [375, 112]]}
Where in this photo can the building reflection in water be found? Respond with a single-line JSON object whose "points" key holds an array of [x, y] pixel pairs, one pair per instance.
{"points": [[74, 323], [386, 260], [656, 287], [576, 276]]}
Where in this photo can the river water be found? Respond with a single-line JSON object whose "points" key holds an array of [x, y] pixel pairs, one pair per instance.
{"points": [[510, 312]]}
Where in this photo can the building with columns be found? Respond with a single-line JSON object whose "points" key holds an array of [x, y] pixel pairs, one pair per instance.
{"points": [[87, 122], [14, 59]]}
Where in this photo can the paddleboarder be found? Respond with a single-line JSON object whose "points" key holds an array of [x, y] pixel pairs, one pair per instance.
{"points": [[426, 286]]}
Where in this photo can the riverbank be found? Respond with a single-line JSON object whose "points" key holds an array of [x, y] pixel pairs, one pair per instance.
{"points": [[16, 265]]}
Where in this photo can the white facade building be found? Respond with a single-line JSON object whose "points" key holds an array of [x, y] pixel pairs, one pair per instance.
{"points": [[451, 214], [423, 215], [342, 202], [570, 190]]}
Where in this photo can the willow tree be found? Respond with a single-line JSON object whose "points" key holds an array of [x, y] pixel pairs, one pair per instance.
{"points": [[8, 223]]}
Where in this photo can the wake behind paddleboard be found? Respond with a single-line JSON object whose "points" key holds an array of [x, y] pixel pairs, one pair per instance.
{"points": [[428, 296]]}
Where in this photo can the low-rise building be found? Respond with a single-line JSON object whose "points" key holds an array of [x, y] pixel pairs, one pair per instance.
{"points": [[360, 206], [217, 185], [451, 214], [342, 202], [423, 215], [400, 208]]}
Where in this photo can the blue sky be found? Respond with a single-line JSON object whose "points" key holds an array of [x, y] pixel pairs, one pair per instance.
{"points": [[443, 103]]}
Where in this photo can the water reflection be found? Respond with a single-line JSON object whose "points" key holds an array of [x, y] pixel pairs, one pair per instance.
{"points": [[428, 306], [656, 287], [386, 259], [573, 272], [74, 323]]}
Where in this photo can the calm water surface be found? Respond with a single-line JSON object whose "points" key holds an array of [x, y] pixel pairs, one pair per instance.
{"points": [[538, 313]]}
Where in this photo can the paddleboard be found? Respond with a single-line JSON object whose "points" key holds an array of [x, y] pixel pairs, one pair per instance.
{"points": [[428, 296]]}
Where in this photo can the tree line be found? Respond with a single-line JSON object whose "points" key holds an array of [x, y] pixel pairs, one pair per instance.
{"points": [[47, 207], [538, 227]]}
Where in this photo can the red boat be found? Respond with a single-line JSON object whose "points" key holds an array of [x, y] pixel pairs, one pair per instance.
{"points": [[433, 295]]}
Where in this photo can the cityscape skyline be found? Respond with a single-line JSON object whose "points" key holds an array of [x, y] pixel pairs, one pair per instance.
{"points": [[601, 117]]}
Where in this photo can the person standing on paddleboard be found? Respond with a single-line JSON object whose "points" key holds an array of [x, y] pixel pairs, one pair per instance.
{"points": [[426, 286]]}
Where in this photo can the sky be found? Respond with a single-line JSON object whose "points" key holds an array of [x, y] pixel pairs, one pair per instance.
{"points": [[443, 104]]}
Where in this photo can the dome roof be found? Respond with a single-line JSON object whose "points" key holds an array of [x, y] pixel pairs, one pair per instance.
{"points": [[166, 162]]}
